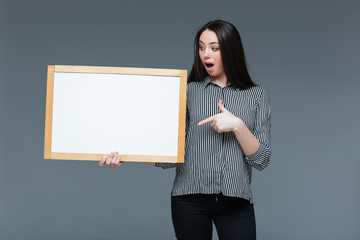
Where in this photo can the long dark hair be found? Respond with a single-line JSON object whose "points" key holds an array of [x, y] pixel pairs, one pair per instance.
{"points": [[232, 54]]}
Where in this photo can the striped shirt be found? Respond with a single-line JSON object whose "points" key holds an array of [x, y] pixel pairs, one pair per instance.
{"points": [[214, 162]]}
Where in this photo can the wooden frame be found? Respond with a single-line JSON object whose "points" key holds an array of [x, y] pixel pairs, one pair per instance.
{"points": [[55, 70]]}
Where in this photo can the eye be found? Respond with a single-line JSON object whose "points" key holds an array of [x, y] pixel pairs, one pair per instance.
{"points": [[215, 49], [201, 48]]}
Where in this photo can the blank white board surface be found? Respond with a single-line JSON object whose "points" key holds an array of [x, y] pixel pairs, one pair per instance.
{"points": [[94, 114]]}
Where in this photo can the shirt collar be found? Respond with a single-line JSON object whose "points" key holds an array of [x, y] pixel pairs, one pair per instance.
{"points": [[207, 81]]}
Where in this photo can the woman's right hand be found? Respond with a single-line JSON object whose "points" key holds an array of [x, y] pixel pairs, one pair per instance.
{"points": [[113, 160]]}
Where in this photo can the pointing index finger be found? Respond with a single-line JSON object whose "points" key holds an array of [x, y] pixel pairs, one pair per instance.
{"points": [[207, 120]]}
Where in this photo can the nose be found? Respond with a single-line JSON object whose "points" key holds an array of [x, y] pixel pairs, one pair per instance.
{"points": [[206, 53]]}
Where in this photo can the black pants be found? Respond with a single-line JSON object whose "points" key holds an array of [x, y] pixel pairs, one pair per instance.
{"points": [[194, 214]]}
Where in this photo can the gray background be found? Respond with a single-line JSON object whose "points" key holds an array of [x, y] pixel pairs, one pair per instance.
{"points": [[305, 53]]}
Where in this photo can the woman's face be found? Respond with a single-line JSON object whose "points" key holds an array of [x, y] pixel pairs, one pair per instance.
{"points": [[209, 52]]}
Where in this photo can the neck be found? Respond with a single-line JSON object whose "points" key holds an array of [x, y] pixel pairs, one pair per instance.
{"points": [[221, 81]]}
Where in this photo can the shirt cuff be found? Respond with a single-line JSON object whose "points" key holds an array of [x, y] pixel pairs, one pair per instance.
{"points": [[256, 154], [158, 164], [166, 165]]}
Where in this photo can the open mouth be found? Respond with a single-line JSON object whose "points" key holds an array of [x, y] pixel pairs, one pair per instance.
{"points": [[208, 65]]}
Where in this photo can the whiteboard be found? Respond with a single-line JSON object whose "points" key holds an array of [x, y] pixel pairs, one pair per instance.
{"points": [[92, 111]]}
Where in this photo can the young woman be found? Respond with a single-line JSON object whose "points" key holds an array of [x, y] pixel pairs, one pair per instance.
{"points": [[227, 134]]}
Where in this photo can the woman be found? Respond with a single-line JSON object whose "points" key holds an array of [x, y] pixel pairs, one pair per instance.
{"points": [[227, 134]]}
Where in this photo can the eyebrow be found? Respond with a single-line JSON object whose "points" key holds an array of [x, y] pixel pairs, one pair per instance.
{"points": [[210, 43]]}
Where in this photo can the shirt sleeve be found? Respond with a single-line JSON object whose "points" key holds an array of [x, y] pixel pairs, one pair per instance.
{"points": [[261, 157]]}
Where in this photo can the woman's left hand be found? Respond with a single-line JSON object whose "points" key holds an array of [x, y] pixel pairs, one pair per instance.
{"points": [[224, 121]]}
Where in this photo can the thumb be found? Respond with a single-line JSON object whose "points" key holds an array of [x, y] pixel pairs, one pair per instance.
{"points": [[221, 106]]}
